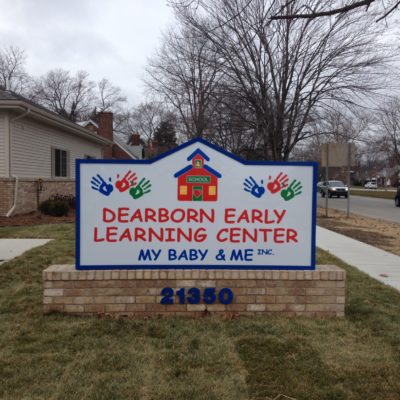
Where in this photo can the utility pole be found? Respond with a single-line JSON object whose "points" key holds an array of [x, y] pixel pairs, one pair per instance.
{"points": [[326, 179], [348, 177]]}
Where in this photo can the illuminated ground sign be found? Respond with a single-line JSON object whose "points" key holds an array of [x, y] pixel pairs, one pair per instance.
{"points": [[196, 207]]}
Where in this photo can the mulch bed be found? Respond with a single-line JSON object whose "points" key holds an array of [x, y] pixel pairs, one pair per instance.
{"points": [[36, 218], [382, 234]]}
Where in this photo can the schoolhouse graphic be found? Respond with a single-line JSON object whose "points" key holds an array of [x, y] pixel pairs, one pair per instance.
{"points": [[197, 182]]}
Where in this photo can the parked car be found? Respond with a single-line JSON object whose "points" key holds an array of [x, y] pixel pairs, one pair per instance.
{"points": [[371, 185], [397, 198], [334, 188]]}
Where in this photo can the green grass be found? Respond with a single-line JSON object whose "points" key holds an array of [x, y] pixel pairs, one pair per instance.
{"points": [[65, 357], [374, 193]]}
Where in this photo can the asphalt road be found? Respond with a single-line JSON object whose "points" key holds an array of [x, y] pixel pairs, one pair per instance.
{"points": [[367, 206]]}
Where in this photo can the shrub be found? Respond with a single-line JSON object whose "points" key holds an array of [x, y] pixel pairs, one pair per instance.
{"points": [[69, 199], [44, 207], [56, 208]]}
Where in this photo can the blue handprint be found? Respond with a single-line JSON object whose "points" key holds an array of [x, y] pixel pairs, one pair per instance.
{"points": [[251, 186], [99, 184]]}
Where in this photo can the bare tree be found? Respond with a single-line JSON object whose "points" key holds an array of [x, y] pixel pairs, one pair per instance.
{"points": [[341, 126], [110, 97], [185, 73], [334, 126], [72, 97], [232, 125], [143, 119], [389, 129], [12, 69], [386, 7], [288, 71]]}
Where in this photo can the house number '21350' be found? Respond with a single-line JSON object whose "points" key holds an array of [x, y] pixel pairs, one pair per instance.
{"points": [[196, 296]]}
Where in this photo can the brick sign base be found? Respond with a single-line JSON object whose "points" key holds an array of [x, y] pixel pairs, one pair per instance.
{"points": [[137, 293]]}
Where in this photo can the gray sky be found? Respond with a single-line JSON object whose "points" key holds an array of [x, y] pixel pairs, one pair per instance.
{"points": [[107, 38]]}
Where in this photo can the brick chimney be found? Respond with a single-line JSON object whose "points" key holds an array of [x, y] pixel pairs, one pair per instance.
{"points": [[134, 140], [105, 122]]}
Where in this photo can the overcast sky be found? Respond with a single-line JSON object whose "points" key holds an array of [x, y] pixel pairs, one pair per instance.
{"points": [[107, 38]]}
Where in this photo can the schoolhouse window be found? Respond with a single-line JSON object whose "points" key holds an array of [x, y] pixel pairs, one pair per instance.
{"points": [[183, 190], [198, 163], [212, 190], [60, 163]]}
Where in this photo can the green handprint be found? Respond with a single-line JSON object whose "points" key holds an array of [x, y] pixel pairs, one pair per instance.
{"points": [[140, 189], [293, 190]]}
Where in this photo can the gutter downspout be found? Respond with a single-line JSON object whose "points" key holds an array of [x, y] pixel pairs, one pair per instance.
{"points": [[11, 210]]}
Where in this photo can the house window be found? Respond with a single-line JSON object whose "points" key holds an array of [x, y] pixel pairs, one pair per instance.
{"points": [[60, 163], [183, 190], [212, 190]]}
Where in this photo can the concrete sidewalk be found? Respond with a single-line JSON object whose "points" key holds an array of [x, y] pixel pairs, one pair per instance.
{"points": [[377, 263], [10, 248]]}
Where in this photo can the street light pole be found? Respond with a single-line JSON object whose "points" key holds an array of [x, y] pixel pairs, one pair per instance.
{"points": [[348, 177]]}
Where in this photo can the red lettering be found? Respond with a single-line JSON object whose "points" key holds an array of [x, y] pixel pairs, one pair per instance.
{"points": [[137, 215], [180, 233], [108, 215], [200, 235], [96, 237], [150, 215], [279, 235], [192, 215], [170, 236], [247, 235], [140, 234], [204, 215], [244, 216], [256, 216], [265, 233], [126, 234], [111, 233], [163, 215], [234, 236], [279, 215], [153, 233], [178, 218], [220, 233], [291, 236], [123, 212], [230, 215]]}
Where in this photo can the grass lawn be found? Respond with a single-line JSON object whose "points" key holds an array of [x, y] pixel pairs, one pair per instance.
{"points": [[374, 193], [65, 357]]}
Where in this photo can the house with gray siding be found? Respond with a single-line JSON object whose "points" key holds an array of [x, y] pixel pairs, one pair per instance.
{"points": [[38, 149]]}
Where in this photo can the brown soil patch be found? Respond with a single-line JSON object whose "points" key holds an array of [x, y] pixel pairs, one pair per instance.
{"points": [[378, 233], [36, 218]]}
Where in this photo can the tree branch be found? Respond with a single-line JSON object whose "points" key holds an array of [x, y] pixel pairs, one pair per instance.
{"points": [[334, 11], [388, 12]]}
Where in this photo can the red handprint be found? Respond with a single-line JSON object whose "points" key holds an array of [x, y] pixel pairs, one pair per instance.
{"points": [[126, 182], [280, 182]]}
